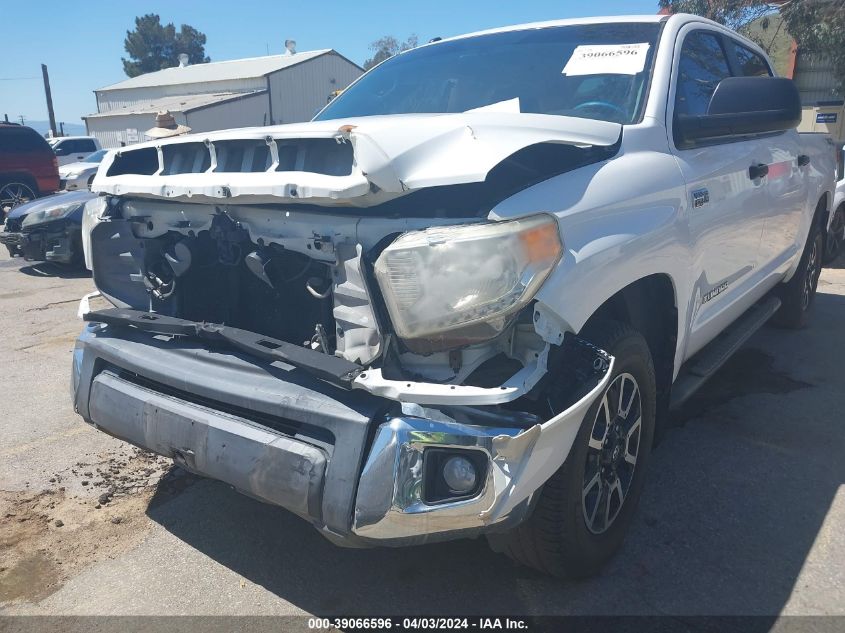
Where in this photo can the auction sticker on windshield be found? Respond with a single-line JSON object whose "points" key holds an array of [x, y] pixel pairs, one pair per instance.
{"points": [[616, 59]]}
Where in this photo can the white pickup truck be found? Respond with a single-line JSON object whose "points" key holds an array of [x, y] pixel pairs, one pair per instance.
{"points": [[464, 299]]}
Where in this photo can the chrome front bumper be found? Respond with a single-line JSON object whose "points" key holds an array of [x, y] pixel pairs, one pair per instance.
{"points": [[389, 508], [355, 492]]}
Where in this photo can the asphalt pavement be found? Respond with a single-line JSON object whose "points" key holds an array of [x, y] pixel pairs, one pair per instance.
{"points": [[743, 510]]}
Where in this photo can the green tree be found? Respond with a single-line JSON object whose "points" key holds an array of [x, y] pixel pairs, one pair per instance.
{"points": [[388, 46], [153, 45], [818, 26], [735, 14]]}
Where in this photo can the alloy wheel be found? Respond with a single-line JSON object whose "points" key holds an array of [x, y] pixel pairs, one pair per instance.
{"points": [[612, 453], [14, 194]]}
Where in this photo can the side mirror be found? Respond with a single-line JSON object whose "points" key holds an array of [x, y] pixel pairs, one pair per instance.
{"points": [[741, 106], [60, 151]]}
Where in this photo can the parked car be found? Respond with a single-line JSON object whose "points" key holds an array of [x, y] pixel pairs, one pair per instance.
{"points": [[836, 233], [47, 229], [80, 175], [28, 168], [462, 300], [72, 149]]}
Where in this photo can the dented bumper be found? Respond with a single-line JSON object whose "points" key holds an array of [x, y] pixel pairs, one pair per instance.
{"points": [[350, 462]]}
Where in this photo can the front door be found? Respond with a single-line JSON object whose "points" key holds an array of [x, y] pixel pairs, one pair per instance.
{"points": [[725, 201]]}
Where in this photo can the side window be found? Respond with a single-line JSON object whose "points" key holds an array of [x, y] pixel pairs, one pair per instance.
{"points": [[750, 63], [86, 146], [702, 66]]}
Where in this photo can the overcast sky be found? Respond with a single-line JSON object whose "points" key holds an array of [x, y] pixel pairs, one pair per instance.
{"points": [[82, 43]]}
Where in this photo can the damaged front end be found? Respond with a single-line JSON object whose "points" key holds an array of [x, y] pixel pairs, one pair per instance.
{"points": [[388, 376]]}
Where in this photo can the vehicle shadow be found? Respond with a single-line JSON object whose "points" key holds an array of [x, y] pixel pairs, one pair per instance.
{"points": [[60, 271], [838, 263], [736, 497]]}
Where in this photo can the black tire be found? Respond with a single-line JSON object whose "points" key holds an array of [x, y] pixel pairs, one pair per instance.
{"points": [[559, 538], [835, 235], [91, 182], [798, 293], [15, 192]]}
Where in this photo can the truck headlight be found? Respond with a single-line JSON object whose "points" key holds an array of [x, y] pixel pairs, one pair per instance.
{"points": [[91, 217], [459, 284]]}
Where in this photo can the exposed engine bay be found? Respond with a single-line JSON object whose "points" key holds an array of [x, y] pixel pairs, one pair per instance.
{"points": [[309, 279], [254, 232]]}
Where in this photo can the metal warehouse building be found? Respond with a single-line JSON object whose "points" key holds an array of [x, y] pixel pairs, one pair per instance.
{"points": [[219, 95]]}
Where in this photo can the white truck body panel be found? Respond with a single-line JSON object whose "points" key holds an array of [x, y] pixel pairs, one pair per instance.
{"points": [[692, 216]]}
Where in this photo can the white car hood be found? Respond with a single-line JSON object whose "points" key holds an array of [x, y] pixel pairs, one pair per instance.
{"points": [[392, 155], [77, 167]]}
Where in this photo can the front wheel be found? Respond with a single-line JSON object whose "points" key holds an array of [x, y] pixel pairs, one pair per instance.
{"points": [[585, 508]]}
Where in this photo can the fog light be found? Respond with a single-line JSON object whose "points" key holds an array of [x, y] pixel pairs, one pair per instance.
{"points": [[459, 474]]}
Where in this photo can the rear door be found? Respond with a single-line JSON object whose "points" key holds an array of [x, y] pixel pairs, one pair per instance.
{"points": [[725, 205]]}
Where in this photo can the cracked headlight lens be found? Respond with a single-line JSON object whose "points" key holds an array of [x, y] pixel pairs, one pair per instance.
{"points": [[460, 284]]}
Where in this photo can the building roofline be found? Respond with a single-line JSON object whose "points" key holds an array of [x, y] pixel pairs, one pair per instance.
{"points": [[316, 53], [223, 99]]}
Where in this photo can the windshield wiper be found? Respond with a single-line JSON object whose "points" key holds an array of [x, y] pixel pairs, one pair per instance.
{"points": [[332, 369]]}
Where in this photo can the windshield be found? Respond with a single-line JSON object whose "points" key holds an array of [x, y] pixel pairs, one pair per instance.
{"points": [[96, 157], [594, 71]]}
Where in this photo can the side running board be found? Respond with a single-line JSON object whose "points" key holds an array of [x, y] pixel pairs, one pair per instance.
{"points": [[707, 362]]}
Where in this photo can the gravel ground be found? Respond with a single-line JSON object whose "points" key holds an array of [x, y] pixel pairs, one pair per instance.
{"points": [[743, 511]]}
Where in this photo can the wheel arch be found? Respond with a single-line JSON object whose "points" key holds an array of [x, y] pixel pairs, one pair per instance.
{"points": [[824, 210], [649, 305]]}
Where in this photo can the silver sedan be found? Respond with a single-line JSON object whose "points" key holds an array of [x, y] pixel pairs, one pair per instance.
{"points": [[80, 175]]}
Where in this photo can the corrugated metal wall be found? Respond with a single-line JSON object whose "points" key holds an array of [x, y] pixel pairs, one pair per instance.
{"points": [[296, 94], [111, 130], [246, 112], [116, 99], [299, 91], [814, 79], [252, 111]]}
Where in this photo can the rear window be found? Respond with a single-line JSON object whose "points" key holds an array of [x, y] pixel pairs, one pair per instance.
{"points": [[21, 139]]}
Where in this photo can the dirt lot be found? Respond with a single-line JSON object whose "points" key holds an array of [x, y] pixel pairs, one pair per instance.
{"points": [[744, 510]]}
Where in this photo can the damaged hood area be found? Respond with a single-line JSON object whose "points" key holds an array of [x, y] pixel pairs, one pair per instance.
{"points": [[346, 162]]}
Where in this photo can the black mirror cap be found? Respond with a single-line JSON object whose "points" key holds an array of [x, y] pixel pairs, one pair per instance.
{"points": [[742, 106]]}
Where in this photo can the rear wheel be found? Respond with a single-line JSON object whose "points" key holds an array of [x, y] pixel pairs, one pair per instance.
{"points": [[835, 235], [584, 510], [15, 193], [798, 293]]}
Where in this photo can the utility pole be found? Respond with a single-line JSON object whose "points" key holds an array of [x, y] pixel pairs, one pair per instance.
{"points": [[49, 99], [21, 117], [6, 116], [62, 127]]}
